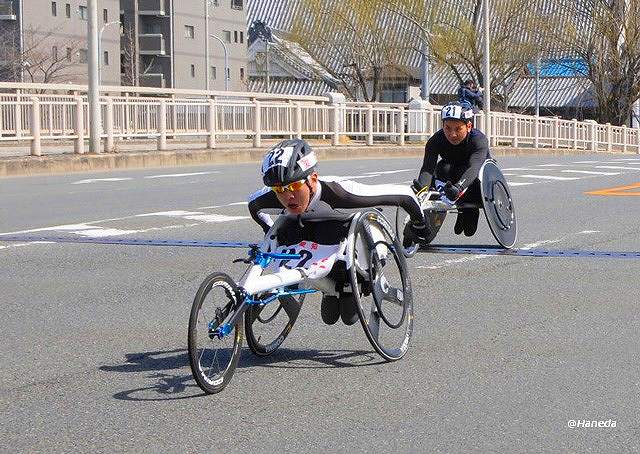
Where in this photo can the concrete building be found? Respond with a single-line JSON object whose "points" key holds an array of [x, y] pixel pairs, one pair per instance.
{"points": [[45, 40], [174, 45], [157, 43]]}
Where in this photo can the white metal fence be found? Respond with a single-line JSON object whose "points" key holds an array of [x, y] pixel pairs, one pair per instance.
{"points": [[35, 113]]}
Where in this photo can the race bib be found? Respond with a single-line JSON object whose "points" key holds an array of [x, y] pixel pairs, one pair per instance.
{"points": [[316, 259]]}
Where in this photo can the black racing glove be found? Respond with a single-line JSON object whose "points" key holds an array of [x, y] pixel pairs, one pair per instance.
{"points": [[452, 191], [415, 232], [416, 186]]}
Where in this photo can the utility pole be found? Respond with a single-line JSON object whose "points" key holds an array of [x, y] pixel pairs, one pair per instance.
{"points": [[206, 45], [424, 72], [95, 123]]}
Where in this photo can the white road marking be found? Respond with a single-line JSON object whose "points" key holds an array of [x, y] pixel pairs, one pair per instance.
{"points": [[588, 232], [552, 165], [176, 175], [586, 162], [627, 159], [518, 183], [225, 205], [549, 177], [215, 218], [104, 232], [386, 172], [526, 247], [175, 213], [617, 167], [522, 169], [588, 172], [94, 180]]}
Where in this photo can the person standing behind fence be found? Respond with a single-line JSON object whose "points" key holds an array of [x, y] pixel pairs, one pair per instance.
{"points": [[470, 93]]}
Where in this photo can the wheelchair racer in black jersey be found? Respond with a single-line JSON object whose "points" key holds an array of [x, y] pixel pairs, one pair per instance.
{"points": [[294, 190], [452, 160]]}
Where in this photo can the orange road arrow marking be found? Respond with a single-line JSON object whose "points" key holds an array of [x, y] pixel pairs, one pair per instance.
{"points": [[618, 191]]}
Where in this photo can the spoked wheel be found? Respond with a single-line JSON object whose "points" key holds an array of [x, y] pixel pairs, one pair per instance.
{"points": [[268, 326], [382, 288], [213, 358]]}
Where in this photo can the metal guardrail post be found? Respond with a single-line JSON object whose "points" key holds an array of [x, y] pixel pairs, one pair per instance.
{"points": [[609, 136], [575, 133], [401, 122], [556, 133], [162, 125], [257, 127], [211, 127], [36, 149], [625, 140], [298, 120], [514, 131], [370, 124], [78, 145], [536, 132], [108, 124]]}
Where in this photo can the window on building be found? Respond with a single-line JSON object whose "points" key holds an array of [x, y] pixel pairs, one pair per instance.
{"points": [[84, 14], [54, 53], [235, 36], [193, 70], [82, 54], [54, 9], [68, 54], [105, 58], [105, 15], [153, 28], [241, 37], [189, 31], [241, 73], [236, 4], [227, 35], [214, 73], [67, 10]]}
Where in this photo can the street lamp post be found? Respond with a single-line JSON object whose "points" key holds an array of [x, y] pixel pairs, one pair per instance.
{"points": [[487, 72], [95, 123], [226, 62], [100, 49]]}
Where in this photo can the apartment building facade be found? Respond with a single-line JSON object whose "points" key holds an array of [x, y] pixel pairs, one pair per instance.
{"points": [[157, 43], [49, 40]]}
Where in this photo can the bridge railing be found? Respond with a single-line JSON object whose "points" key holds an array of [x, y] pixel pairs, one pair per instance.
{"points": [[33, 114]]}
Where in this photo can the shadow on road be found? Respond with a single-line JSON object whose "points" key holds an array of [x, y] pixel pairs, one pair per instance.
{"points": [[169, 386]]}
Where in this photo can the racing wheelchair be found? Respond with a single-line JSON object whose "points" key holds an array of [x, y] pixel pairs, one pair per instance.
{"points": [[496, 203], [367, 263]]}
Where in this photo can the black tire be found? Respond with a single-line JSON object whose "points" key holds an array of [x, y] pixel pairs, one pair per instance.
{"points": [[268, 326], [381, 285], [220, 295]]}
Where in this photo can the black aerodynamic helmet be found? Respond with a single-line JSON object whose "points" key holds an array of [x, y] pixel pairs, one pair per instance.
{"points": [[289, 161]]}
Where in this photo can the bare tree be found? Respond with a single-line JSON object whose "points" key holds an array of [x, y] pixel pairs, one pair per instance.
{"points": [[605, 36], [353, 41], [133, 67], [453, 32], [44, 57]]}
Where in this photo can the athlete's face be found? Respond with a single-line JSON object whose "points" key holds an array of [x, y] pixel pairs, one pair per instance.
{"points": [[456, 131], [296, 202]]}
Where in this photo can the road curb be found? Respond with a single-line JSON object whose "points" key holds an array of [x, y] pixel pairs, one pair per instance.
{"points": [[69, 163]]}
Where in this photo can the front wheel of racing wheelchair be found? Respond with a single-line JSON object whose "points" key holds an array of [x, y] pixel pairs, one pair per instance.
{"points": [[496, 202], [380, 283]]}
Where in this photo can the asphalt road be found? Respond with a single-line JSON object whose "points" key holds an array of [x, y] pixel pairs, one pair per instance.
{"points": [[506, 351]]}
